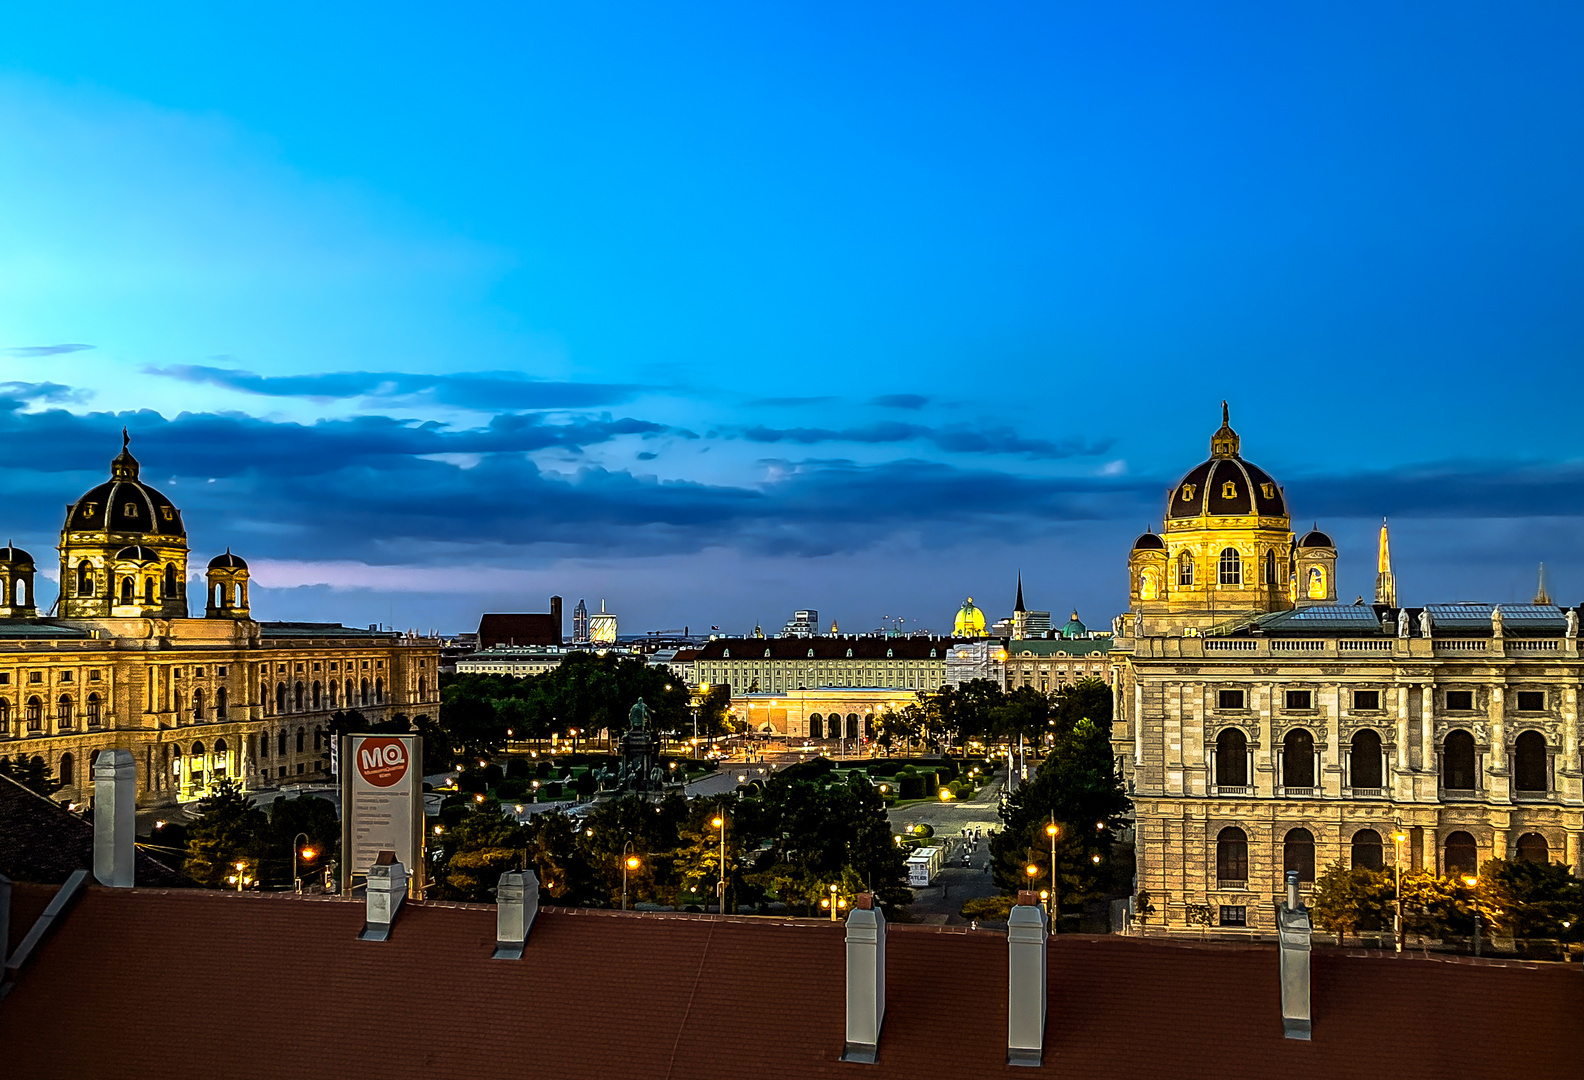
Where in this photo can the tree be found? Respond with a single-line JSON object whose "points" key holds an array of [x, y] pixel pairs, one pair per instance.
{"points": [[1086, 699], [559, 860], [229, 830], [476, 851], [1542, 900], [1077, 785], [288, 818], [714, 711], [32, 773], [1346, 901]]}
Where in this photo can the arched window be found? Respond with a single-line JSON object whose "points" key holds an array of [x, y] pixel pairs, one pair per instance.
{"points": [[1231, 759], [1529, 762], [220, 703], [1317, 583], [816, 726], [1232, 855], [1367, 850], [297, 696], [198, 703], [318, 737], [1270, 568], [1532, 847], [869, 725], [94, 710], [170, 580], [1457, 761], [148, 591], [1147, 587], [334, 693], [35, 714], [5, 717], [63, 712], [1365, 760], [318, 693], [302, 736], [1298, 763], [127, 590], [85, 578], [68, 771], [263, 744], [423, 687], [1462, 855], [363, 691], [280, 742], [379, 691], [1185, 569], [280, 697], [852, 725], [1298, 854], [1231, 566], [198, 750]]}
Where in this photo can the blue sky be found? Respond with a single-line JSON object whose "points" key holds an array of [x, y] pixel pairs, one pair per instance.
{"points": [[721, 311]]}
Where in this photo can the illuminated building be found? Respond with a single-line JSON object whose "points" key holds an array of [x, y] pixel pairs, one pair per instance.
{"points": [[969, 622], [602, 627]]}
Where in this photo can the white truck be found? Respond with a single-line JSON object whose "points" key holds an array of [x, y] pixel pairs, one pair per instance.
{"points": [[924, 864]]}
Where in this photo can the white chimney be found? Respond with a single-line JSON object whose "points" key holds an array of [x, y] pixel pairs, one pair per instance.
{"points": [[387, 888], [1026, 981], [1292, 923], [865, 980], [516, 907], [115, 818]]}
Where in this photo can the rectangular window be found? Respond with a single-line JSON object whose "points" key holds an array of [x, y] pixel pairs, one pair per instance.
{"points": [[1234, 915], [1457, 700], [332, 665], [1365, 700], [280, 669], [5, 678], [197, 672], [93, 676], [35, 676], [1531, 700], [1229, 699], [220, 671], [1300, 699], [66, 677]]}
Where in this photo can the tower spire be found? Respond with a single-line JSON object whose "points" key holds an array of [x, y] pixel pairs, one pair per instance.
{"points": [[1541, 596], [1385, 582], [1019, 605]]}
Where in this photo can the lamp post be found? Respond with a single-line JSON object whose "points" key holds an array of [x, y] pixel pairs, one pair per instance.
{"points": [[1398, 838], [240, 878], [307, 853], [1473, 883], [833, 903], [1053, 830], [629, 862], [720, 887]]}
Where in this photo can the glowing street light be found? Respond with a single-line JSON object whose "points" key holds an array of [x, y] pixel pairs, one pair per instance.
{"points": [[1053, 830], [307, 853], [833, 902], [629, 862], [720, 888], [1399, 838]]}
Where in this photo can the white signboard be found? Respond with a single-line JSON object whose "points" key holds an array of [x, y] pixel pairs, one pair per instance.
{"points": [[382, 807]]}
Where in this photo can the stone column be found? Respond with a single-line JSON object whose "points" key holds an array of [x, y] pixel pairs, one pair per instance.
{"points": [[1427, 758], [1496, 770], [1570, 736]]}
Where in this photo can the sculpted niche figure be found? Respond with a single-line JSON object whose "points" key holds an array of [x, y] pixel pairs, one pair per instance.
{"points": [[1572, 624], [1424, 624], [1496, 621], [1402, 623]]}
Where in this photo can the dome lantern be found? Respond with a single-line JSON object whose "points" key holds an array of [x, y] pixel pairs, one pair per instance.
{"points": [[226, 590]]}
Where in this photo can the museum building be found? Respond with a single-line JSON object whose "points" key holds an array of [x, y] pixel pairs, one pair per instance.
{"points": [[1263, 728], [118, 661]]}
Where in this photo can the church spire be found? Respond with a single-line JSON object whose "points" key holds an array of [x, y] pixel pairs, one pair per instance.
{"points": [[1385, 582], [1019, 605], [1541, 596]]}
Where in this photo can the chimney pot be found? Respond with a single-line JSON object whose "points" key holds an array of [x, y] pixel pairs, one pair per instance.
{"points": [[1294, 933], [865, 984], [516, 907], [864, 901], [115, 818], [386, 890], [1027, 981]]}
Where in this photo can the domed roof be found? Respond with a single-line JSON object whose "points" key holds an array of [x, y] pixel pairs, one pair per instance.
{"points": [[136, 553], [11, 555], [1226, 485], [1074, 628], [125, 504], [1315, 538], [970, 621], [1149, 541], [227, 561]]}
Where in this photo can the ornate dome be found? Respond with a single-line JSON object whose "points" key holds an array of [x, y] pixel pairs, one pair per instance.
{"points": [[970, 621], [125, 504], [11, 555], [1316, 539], [1074, 628], [227, 561], [1149, 542], [136, 553], [1226, 485]]}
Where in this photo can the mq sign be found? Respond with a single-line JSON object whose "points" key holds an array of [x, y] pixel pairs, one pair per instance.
{"points": [[382, 762]]}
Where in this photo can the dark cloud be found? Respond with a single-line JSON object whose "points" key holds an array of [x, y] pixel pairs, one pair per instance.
{"points": [[956, 439], [488, 390], [43, 350], [793, 402], [900, 401], [12, 393]]}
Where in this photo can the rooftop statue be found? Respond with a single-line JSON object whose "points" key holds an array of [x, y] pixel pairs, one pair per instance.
{"points": [[638, 718]]}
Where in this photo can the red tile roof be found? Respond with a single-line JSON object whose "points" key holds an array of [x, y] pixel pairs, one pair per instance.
{"points": [[204, 984]]}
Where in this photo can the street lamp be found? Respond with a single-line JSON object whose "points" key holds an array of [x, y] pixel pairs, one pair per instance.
{"points": [[1399, 838], [239, 877], [720, 888], [1053, 830], [833, 903], [307, 853], [629, 862], [1473, 882]]}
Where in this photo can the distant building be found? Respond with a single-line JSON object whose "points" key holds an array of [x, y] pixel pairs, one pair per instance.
{"points": [[970, 621], [521, 628], [682, 663], [1048, 665], [801, 624], [972, 660], [823, 713], [580, 623], [602, 627], [784, 663], [520, 660]]}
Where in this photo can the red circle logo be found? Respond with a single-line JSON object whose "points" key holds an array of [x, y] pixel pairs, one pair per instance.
{"points": [[382, 762]]}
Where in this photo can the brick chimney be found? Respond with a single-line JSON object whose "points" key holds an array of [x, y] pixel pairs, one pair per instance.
{"points": [[115, 818], [865, 980], [387, 888], [1026, 981], [516, 907], [1292, 923]]}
